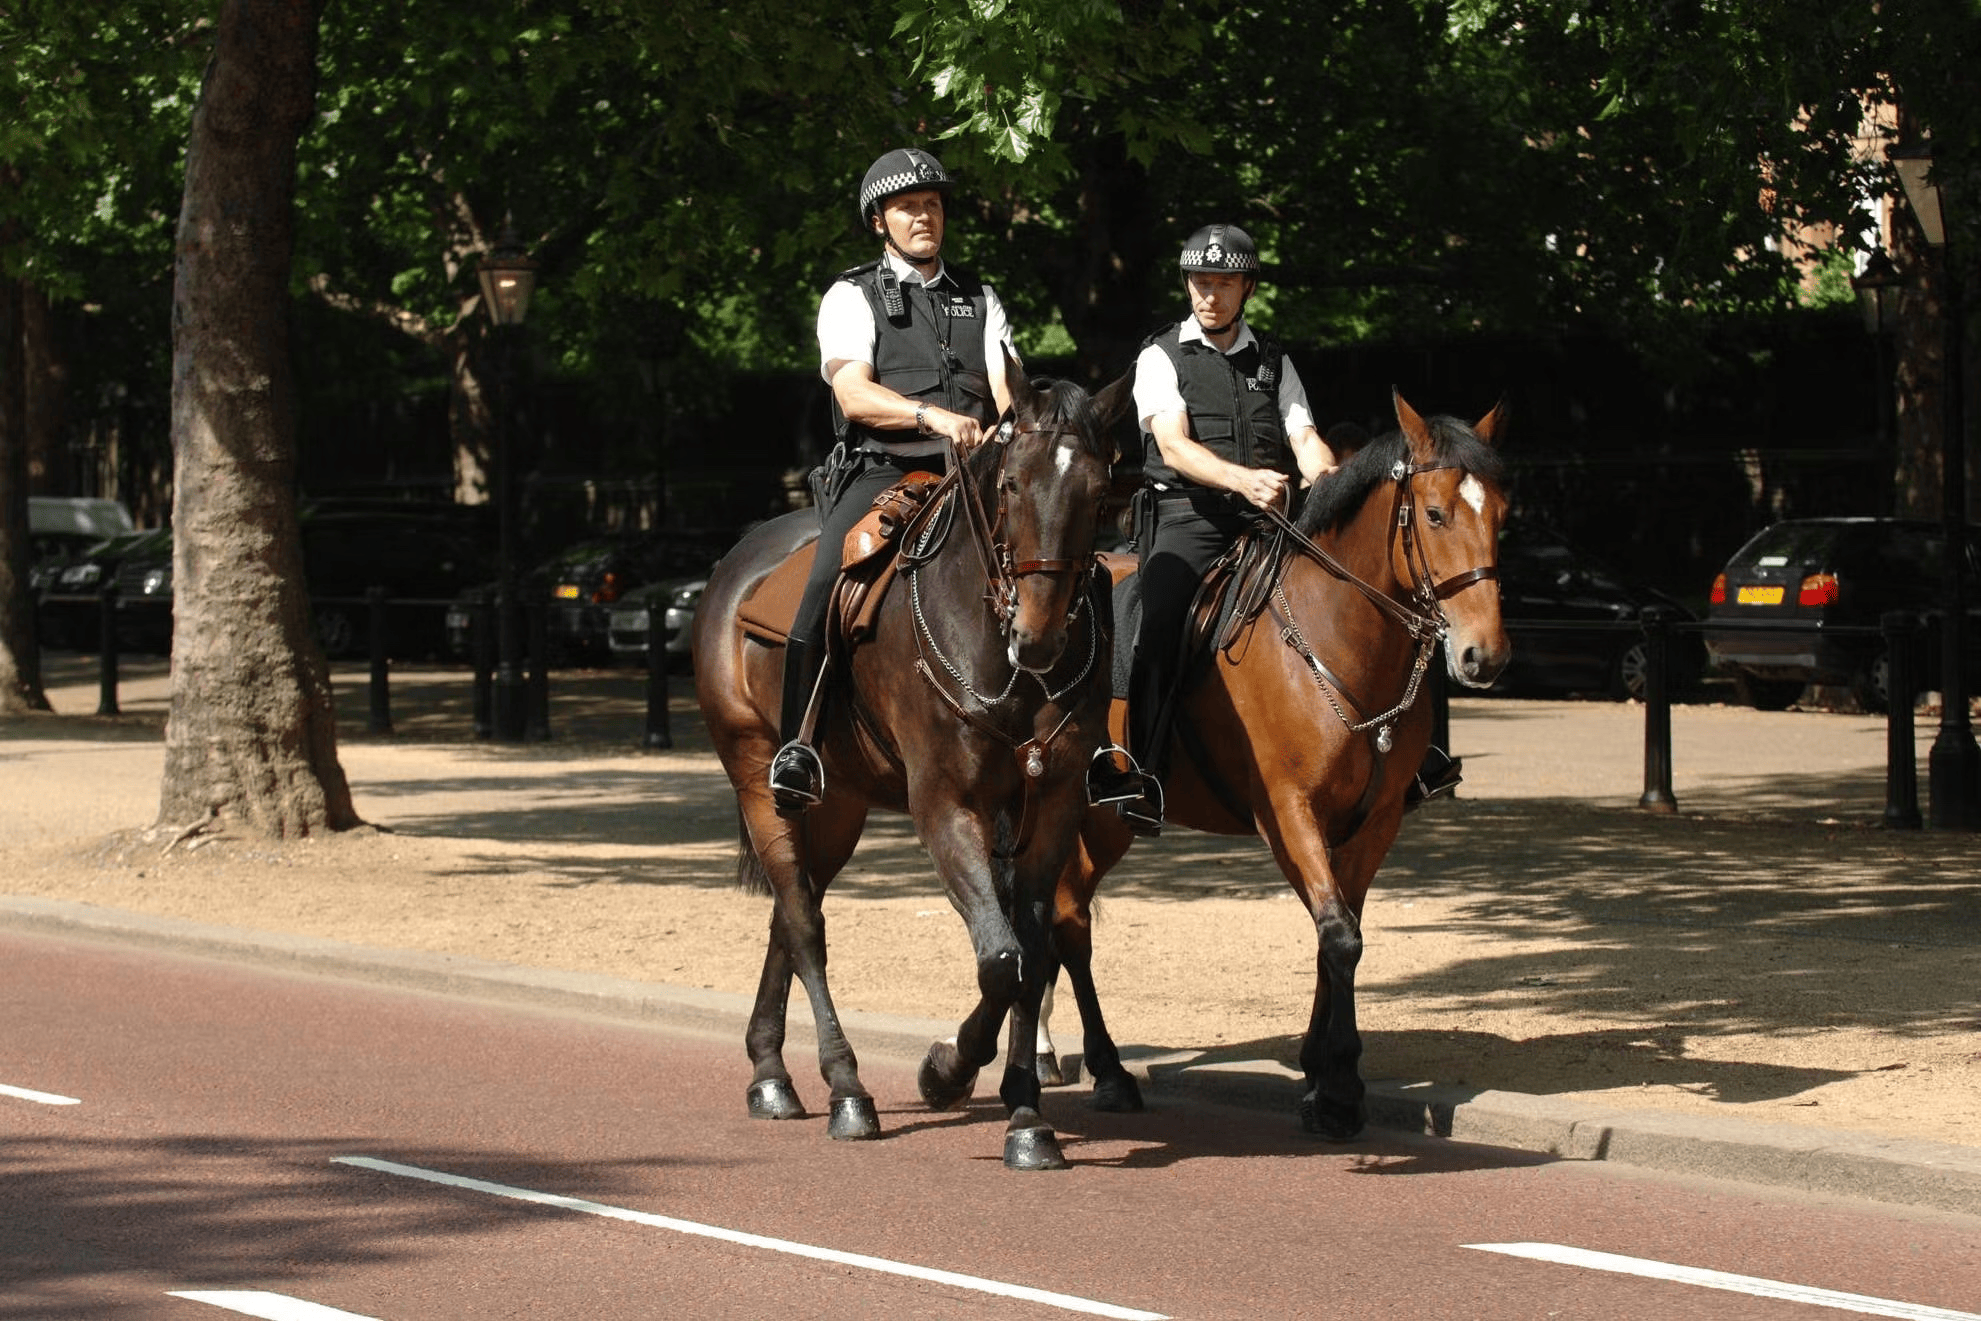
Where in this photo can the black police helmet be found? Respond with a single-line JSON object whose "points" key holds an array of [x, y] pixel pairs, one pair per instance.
{"points": [[903, 170], [1220, 249]]}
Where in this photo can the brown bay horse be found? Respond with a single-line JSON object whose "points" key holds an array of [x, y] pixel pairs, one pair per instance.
{"points": [[1311, 721], [974, 705]]}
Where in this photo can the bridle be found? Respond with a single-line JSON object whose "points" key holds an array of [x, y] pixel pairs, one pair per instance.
{"points": [[1422, 617], [989, 535]]}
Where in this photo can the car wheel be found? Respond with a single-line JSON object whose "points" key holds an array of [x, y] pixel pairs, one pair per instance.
{"points": [[1872, 686], [1766, 694], [1630, 678], [336, 631]]}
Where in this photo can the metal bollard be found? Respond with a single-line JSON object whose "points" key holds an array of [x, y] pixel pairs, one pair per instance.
{"points": [[659, 734], [536, 706], [381, 693], [106, 652], [1657, 796], [1901, 629], [481, 654]]}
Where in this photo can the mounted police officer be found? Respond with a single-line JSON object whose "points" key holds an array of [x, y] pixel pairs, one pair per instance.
{"points": [[913, 349], [1226, 433]]}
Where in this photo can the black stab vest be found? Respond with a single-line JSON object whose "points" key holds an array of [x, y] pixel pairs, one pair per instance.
{"points": [[1233, 401], [933, 351]]}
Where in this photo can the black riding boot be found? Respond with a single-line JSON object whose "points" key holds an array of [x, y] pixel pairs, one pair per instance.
{"points": [[1438, 775], [797, 776]]}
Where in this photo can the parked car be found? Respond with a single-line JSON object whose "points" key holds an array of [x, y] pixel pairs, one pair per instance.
{"points": [[583, 583], [631, 621], [1803, 602], [68, 592], [62, 527], [1576, 623], [421, 558]]}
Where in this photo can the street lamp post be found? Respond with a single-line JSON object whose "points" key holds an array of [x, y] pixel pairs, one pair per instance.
{"points": [[1954, 765], [508, 277], [1878, 287]]}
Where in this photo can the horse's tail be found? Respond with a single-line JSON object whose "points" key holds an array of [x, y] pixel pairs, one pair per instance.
{"points": [[751, 878]]}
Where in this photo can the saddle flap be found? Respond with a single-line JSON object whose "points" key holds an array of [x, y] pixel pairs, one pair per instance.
{"points": [[866, 564]]}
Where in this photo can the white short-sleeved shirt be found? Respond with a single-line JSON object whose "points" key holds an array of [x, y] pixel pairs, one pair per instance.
{"points": [[846, 322], [1157, 391]]}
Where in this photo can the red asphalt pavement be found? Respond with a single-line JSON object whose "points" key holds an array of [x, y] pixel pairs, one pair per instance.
{"points": [[215, 1101]]}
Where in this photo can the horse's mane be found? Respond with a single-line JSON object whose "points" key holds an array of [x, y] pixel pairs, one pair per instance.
{"points": [[1067, 404], [1339, 497]]}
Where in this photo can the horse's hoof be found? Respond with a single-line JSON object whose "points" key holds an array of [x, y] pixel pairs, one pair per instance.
{"points": [[854, 1119], [1332, 1121], [1118, 1094], [940, 1089], [1032, 1149], [1046, 1065], [775, 1098]]}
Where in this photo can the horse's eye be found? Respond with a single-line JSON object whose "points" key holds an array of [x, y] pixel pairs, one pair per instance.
{"points": [[1010, 481], [1434, 516]]}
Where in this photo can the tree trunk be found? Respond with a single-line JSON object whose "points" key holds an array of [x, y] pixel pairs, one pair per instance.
{"points": [[20, 654], [251, 739]]}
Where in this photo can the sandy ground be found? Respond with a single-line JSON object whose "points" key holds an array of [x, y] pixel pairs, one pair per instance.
{"points": [[1768, 953]]}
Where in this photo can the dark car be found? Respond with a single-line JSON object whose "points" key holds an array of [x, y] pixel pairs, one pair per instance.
{"points": [[1576, 624], [631, 620], [69, 592], [421, 559], [583, 583], [1802, 602]]}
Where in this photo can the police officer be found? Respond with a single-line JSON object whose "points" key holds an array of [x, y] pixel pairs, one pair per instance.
{"points": [[913, 349], [1226, 433]]}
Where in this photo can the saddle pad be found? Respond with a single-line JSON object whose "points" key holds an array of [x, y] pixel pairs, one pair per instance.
{"points": [[866, 564], [766, 613]]}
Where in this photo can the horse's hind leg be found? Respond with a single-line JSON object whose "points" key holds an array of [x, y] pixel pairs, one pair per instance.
{"points": [[801, 858], [1115, 1089]]}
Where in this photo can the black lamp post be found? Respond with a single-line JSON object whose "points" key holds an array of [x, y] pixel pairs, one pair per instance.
{"points": [[1878, 288], [1954, 765], [508, 278]]}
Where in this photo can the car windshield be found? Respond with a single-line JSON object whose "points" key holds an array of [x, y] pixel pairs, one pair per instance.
{"points": [[1791, 543]]}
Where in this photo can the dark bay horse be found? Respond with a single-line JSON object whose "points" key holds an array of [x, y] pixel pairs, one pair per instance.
{"points": [[1308, 727], [974, 706]]}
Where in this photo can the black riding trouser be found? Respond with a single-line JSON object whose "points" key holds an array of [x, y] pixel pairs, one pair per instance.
{"points": [[1191, 531], [872, 474]]}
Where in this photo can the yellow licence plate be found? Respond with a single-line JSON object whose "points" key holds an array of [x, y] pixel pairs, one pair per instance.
{"points": [[569, 592], [1756, 594]]}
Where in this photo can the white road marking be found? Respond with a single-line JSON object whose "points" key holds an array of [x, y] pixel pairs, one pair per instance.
{"points": [[1747, 1284], [45, 1098], [1066, 1301], [268, 1306]]}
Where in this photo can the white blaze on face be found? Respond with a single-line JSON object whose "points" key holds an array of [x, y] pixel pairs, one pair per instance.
{"points": [[1063, 460], [1474, 492]]}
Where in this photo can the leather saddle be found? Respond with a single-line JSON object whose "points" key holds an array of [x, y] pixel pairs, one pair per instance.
{"points": [[868, 562]]}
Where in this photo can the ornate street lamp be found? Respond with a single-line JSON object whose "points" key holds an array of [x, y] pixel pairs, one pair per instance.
{"points": [[1954, 766], [508, 278], [1878, 288]]}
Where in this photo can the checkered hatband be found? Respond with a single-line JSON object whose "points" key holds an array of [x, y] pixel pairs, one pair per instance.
{"points": [[902, 170]]}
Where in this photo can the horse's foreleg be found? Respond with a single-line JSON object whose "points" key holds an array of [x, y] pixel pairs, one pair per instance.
{"points": [[1334, 1105]]}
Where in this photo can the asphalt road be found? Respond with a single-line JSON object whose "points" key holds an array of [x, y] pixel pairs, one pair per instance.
{"points": [[178, 1126]]}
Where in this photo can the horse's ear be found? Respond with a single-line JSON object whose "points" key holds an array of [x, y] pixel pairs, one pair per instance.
{"points": [[1113, 402], [1489, 427], [1024, 399], [1422, 448]]}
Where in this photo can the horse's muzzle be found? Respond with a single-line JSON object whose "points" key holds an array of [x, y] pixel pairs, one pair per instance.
{"points": [[1475, 664]]}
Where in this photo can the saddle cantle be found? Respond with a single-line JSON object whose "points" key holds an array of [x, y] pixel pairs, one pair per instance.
{"points": [[867, 562]]}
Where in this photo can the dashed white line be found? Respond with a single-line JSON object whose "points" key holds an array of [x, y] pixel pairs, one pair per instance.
{"points": [[1747, 1284], [42, 1098], [1068, 1302], [268, 1306]]}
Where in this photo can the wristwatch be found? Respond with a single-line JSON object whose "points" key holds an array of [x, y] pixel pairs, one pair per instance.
{"points": [[922, 418]]}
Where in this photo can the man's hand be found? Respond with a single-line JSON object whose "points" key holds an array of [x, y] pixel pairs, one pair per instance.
{"points": [[1263, 487], [967, 432]]}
